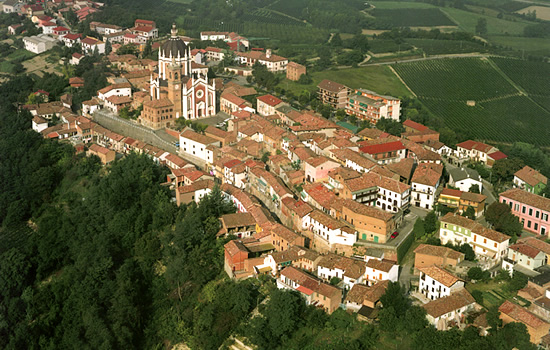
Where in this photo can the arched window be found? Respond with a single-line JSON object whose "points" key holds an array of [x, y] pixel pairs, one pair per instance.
{"points": [[176, 75]]}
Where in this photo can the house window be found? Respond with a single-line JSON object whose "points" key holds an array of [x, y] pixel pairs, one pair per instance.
{"points": [[530, 211], [523, 209], [537, 214], [529, 223]]}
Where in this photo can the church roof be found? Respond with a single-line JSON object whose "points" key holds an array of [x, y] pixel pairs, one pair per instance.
{"points": [[173, 46]]}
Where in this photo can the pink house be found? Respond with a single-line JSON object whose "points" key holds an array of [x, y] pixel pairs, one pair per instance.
{"points": [[317, 168], [533, 210]]}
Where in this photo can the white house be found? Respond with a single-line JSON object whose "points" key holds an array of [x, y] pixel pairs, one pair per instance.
{"points": [[450, 309], [350, 271], [438, 147], [71, 39], [328, 229], [425, 182], [354, 160], [392, 194], [122, 89], [214, 36], [196, 145], [381, 270], [47, 27], [39, 123], [523, 255], [464, 178], [267, 104], [12, 6], [90, 44], [39, 43], [235, 173], [486, 243], [436, 282]]}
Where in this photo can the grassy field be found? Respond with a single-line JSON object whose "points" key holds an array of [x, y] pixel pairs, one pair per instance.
{"points": [[534, 46], [382, 45], [181, 1], [467, 21], [377, 78], [458, 79]]}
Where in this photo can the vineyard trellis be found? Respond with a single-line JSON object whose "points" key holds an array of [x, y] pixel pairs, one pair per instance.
{"points": [[462, 78]]}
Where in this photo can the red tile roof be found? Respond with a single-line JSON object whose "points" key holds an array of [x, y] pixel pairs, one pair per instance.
{"points": [[383, 148], [497, 155], [414, 125], [521, 315], [528, 198], [270, 100]]}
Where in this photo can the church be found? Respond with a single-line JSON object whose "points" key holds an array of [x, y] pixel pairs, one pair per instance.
{"points": [[179, 87]]}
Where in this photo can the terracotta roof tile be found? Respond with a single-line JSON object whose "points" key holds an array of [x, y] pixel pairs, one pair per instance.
{"points": [[528, 198], [455, 301], [438, 251], [521, 315], [440, 275], [474, 227], [531, 176]]}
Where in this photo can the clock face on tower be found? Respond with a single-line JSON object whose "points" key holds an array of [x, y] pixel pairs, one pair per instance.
{"points": [[177, 86], [199, 93]]}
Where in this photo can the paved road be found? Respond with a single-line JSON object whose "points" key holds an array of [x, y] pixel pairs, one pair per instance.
{"points": [[131, 129]]}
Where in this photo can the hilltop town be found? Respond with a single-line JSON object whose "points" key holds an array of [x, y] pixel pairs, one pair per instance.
{"points": [[340, 198]]}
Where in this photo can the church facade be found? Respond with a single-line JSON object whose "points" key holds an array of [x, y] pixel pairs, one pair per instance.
{"points": [[179, 88]]}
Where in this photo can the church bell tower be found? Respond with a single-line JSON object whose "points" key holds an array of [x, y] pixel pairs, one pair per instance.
{"points": [[175, 80]]}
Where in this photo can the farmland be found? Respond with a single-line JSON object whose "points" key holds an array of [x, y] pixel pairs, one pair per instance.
{"points": [[505, 120], [467, 21], [462, 78], [292, 8], [542, 12], [500, 113], [531, 76], [267, 16], [533, 46], [419, 17], [440, 47], [377, 78], [391, 5], [382, 46]]}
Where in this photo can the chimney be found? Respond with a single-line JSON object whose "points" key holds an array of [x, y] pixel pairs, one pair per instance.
{"points": [[268, 53]]}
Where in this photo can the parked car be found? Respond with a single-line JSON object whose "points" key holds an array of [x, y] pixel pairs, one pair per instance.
{"points": [[395, 234]]}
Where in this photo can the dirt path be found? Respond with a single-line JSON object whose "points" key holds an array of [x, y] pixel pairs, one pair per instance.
{"points": [[402, 81]]}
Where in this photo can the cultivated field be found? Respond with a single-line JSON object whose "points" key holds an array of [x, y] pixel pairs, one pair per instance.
{"points": [[458, 79], [504, 120], [418, 17], [543, 12], [500, 113], [467, 21], [533, 77], [441, 47], [534, 46], [391, 5]]}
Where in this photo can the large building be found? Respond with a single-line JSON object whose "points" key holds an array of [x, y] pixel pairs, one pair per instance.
{"points": [[176, 90], [39, 43], [368, 105], [532, 210], [333, 94]]}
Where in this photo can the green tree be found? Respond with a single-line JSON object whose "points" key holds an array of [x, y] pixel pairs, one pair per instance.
{"points": [[430, 222], [419, 229], [468, 252], [265, 157], [470, 213], [336, 40], [517, 282], [474, 188], [475, 273], [504, 169], [390, 126], [481, 26], [493, 317]]}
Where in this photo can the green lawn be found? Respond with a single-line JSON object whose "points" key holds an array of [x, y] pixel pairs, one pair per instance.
{"points": [[467, 21], [181, 1], [376, 78], [20, 53], [6, 67]]}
